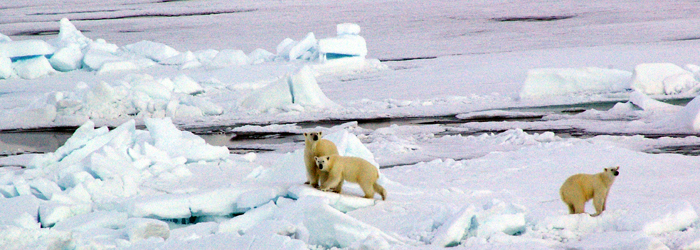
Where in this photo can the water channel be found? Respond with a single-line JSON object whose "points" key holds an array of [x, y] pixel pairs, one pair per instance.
{"points": [[15, 142]]}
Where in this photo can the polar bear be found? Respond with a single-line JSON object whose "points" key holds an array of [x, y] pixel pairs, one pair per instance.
{"points": [[580, 188], [315, 146], [352, 169]]}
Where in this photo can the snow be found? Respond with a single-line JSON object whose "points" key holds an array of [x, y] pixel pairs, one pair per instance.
{"points": [[671, 217], [69, 35], [139, 229], [20, 211], [645, 102], [4, 38], [227, 58], [33, 68], [689, 116], [343, 45], [552, 82], [25, 48], [67, 58], [91, 221], [457, 103], [347, 29], [302, 47], [662, 78], [152, 50], [455, 230], [294, 92], [5, 67]]}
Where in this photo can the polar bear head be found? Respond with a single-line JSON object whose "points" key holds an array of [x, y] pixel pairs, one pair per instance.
{"points": [[313, 136], [612, 171], [323, 163]]}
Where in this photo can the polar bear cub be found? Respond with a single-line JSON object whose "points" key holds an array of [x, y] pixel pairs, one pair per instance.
{"points": [[352, 169], [580, 188], [315, 146]]}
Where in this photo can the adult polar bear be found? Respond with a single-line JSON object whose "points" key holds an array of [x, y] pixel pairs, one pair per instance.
{"points": [[580, 188]]}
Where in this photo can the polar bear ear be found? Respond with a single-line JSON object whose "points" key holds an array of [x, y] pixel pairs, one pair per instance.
{"points": [[316, 158], [328, 158], [616, 168]]}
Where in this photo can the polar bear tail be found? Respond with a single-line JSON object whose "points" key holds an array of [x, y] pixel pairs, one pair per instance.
{"points": [[379, 189]]}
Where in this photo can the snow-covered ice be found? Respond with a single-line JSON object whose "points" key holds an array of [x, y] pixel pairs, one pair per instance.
{"points": [[553, 82], [133, 77]]}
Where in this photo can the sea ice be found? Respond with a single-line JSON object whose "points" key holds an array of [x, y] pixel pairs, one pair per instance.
{"points": [[168, 138], [185, 84], [660, 78], [258, 56], [4, 38], [669, 217], [305, 89], [241, 223], [257, 197], [306, 44], [152, 50], [68, 34], [347, 29], [563, 81], [67, 58], [32, 68], [180, 59], [284, 47], [43, 188], [646, 103], [327, 226], [113, 66], [300, 88], [342, 46], [455, 229], [97, 55], [228, 58], [139, 229], [5, 67], [14, 211], [343, 202], [25, 48], [618, 240], [689, 116], [55, 211]]}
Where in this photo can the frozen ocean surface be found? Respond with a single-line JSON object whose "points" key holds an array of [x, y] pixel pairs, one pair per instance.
{"points": [[134, 83]]}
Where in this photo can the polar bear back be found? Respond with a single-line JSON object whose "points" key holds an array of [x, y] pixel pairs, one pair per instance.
{"points": [[354, 169], [324, 147], [580, 186]]}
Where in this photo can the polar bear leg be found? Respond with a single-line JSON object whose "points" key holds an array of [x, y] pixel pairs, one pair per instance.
{"points": [[579, 207], [379, 189], [572, 210], [339, 188], [322, 177], [599, 204], [368, 189]]}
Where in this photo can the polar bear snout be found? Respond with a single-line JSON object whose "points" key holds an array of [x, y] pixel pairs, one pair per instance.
{"points": [[615, 172], [320, 166]]}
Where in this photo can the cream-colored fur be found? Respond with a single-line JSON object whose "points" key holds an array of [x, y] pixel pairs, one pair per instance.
{"points": [[580, 188], [352, 169], [315, 146]]}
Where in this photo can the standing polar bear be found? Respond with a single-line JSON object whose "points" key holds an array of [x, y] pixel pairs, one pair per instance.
{"points": [[315, 146], [580, 188], [352, 169]]}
